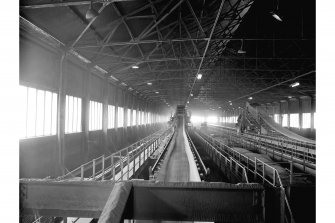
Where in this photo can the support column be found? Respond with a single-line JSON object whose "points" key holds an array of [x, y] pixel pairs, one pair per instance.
{"points": [[85, 118], [105, 114], [116, 99], [125, 118], [61, 117]]}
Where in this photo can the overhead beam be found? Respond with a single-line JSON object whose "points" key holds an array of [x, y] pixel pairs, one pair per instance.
{"points": [[60, 3], [207, 45], [154, 41], [161, 19]]}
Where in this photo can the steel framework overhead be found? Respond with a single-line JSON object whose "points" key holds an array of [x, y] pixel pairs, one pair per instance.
{"points": [[172, 41]]}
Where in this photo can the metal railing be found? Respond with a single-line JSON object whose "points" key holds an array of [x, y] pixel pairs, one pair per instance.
{"points": [[122, 164], [302, 154], [261, 170], [161, 156], [231, 165]]}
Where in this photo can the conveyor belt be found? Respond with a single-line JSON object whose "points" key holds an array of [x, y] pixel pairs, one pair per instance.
{"points": [[179, 165]]}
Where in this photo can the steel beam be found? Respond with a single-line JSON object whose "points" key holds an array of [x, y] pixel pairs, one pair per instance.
{"points": [[207, 45], [61, 3]]}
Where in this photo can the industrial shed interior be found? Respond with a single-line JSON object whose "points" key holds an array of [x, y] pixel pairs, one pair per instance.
{"points": [[167, 110]]}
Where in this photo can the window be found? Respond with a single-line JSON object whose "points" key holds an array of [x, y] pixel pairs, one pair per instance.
{"points": [[128, 117], [111, 116], [120, 117], [39, 112], [314, 120], [284, 120], [294, 120], [95, 122], [134, 117], [142, 118], [72, 114], [149, 117], [139, 118], [306, 120], [276, 118]]}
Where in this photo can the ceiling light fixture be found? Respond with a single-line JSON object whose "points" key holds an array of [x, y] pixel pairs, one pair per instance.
{"points": [[241, 51], [188, 102], [274, 13], [91, 13], [191, 95], [295, 84], [149, 83], [135, 67], [250, 98], [199, 76], [231, 103], [289, 97], [156, 92]]}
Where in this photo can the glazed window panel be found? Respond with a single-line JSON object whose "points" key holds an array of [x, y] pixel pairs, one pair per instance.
{"points": [[128, 117], [120, 117], [276, 118], [294, 120], [285, 120], [111, 116], [39, 112], [134, 117], [95, 120], [306, 120], [72, 114]]}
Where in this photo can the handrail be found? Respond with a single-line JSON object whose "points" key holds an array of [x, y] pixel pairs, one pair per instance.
{"points": [[126, 154], [302, 157], [284, 139], [244, 172], [228, 161], [163, 152], [275, 174]]}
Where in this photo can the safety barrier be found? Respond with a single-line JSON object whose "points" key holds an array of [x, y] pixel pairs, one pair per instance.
{"points": [[122, 164], [226, 164], [262, 171], [298, 152]]}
